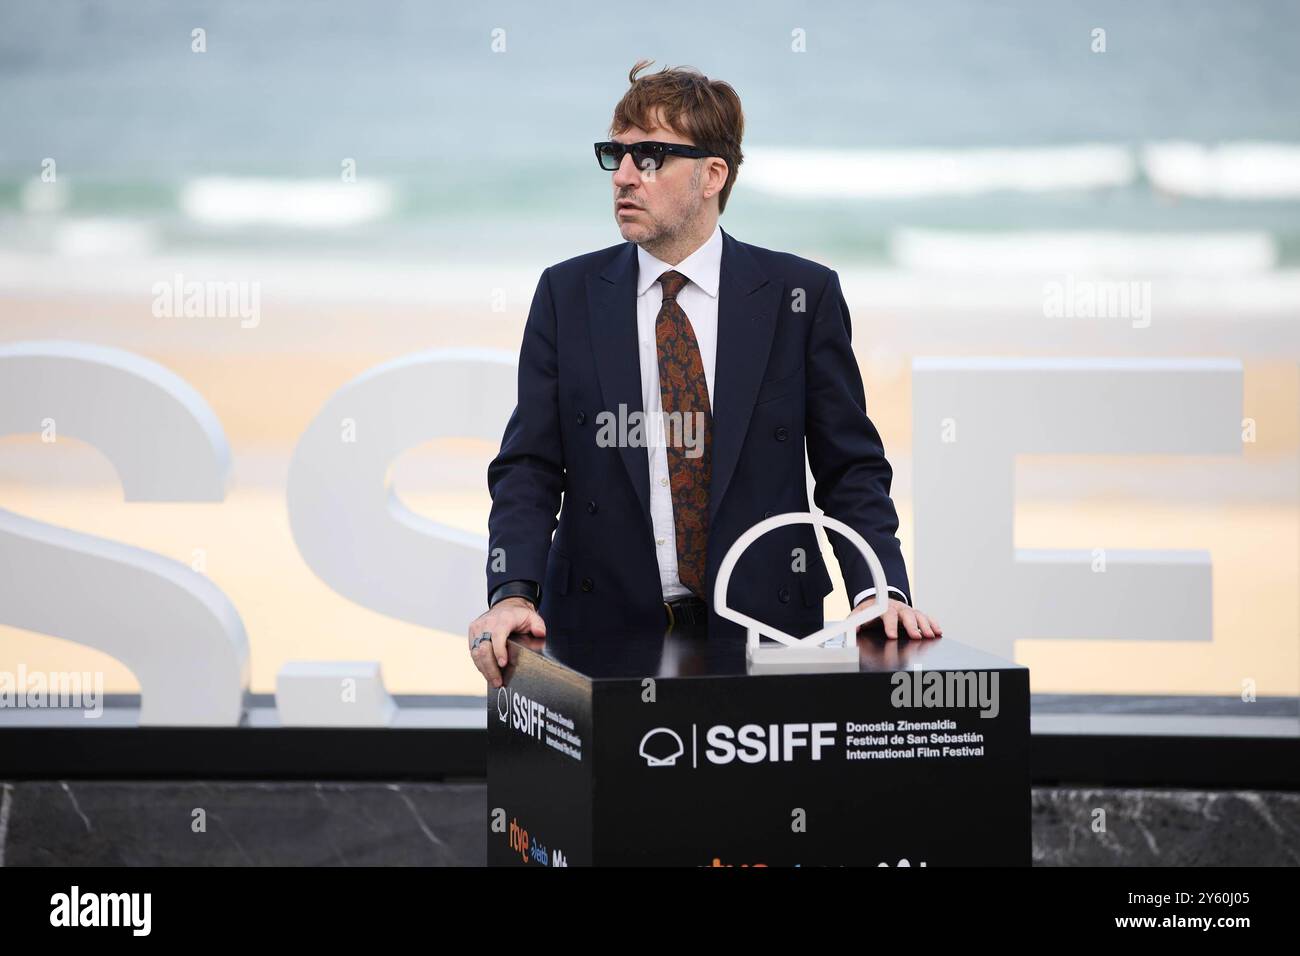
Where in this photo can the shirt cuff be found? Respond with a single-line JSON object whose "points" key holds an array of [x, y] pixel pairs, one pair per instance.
{"points": [[870, 592], [524, 589]]}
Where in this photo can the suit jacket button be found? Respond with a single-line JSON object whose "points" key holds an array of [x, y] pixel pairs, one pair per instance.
{"points": [[782, 433], [587, 584], [591, 507], [582, 417], [783, 595]]}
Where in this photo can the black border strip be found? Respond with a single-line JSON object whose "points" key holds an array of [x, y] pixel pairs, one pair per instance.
{"points": [[1116, 760], [242, 753], [385, 753]]}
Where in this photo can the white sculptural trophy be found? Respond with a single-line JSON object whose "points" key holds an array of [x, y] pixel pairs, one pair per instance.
{"points": [[835, 646]]}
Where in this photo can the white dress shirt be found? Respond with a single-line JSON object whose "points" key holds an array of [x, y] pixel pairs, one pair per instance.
{"points": [[699, 300]]}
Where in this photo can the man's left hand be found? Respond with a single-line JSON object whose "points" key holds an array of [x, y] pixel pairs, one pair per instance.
{"points": [[916, 624]]}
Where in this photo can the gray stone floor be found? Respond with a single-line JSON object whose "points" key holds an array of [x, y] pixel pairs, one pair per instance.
{"points": [[238, 823], [245, 823], [1165, 827]]}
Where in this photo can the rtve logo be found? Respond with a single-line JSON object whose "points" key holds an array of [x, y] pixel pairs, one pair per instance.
{"points": [[750, 743]]}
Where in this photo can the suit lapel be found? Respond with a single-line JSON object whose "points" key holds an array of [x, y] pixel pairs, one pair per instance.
{"points": [[748, 304], [611, 301]]}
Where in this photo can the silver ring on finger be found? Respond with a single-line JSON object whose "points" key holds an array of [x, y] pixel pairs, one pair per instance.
{"points": [[485, 636]]}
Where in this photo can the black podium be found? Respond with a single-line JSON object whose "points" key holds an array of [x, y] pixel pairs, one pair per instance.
{"points": [[653, 750]]}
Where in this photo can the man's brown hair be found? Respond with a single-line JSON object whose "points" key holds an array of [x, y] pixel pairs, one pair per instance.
{"points": [[705, 111]]}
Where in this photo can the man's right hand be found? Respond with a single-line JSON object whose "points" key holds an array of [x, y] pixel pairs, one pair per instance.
{"points": [[514, 615]]}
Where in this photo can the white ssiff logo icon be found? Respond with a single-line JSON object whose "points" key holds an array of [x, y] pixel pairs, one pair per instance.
{"points": [[503, 704], [675, 745], [835, 646]]}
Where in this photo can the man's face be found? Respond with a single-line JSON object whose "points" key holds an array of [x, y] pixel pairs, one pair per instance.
{"points": [[654, 204]]}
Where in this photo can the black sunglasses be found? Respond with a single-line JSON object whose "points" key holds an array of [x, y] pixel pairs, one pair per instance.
{"points": [[610, 155]]}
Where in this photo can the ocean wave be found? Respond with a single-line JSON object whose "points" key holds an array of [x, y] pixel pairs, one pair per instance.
{"points": [[290, 203], [102, 236], [920, 173], [1098, 253], [1245, 170], [500, 292]]}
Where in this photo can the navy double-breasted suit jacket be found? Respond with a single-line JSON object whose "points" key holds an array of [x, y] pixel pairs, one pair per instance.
{"points": [[785, 376]]}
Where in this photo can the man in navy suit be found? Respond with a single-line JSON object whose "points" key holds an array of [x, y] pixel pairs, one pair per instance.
{"points": [[668, 387]]}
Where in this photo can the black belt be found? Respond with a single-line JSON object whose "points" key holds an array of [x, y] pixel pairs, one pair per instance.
{"points": [[686, 612]]}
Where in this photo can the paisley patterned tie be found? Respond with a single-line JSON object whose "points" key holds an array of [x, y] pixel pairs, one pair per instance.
{"points": [[683, 389]]}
